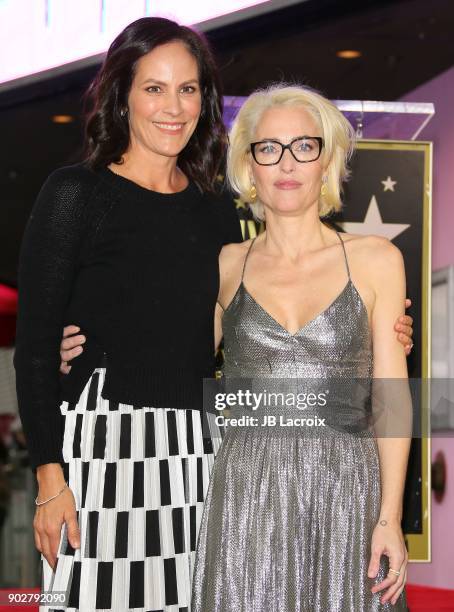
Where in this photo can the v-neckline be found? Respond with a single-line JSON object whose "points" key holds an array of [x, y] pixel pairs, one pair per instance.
{"points": [[308, 323]]}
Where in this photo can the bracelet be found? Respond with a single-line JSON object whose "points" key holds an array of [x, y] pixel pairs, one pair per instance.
{"points": [[47, 500]]}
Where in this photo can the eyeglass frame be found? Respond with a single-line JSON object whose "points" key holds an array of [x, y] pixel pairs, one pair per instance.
{"points": [[288, 146]]}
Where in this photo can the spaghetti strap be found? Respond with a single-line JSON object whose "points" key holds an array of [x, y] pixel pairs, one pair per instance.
{"points": [[345, 254], [247, 255]]}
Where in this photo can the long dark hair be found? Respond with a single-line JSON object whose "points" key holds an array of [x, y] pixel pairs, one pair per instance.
{"points": [[107, 132]]}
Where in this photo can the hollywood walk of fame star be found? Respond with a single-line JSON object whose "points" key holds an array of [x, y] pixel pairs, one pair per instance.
{"points": [[373, 224], [388, 185]]}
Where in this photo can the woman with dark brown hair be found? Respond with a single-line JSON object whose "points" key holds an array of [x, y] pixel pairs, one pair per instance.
{"points": [[125, 245]]}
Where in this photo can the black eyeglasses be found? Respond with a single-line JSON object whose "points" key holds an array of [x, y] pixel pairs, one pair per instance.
{"points": [[303, 148]]}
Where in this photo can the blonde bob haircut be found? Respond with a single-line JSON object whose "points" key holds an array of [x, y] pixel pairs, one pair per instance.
{"points": [[336, 131]]}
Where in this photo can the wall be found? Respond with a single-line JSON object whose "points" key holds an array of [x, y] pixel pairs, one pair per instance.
{"points": [[440, 130], [440, 572]]}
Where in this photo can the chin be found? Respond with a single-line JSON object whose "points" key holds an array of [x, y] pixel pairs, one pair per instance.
{"points": [[288, 211], [172, 151]]}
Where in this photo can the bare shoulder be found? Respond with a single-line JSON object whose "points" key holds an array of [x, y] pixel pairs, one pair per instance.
{"points": [[376, 261], [234, 249], [232, 255], [373, 249]]}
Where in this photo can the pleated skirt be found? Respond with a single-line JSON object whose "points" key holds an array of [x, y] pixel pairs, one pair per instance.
{"points": [[139, 476], [287, 525]]}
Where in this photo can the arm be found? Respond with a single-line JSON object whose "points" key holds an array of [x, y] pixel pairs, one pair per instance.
{"points": [[72, 342], [218, 312], [47, 267], [230, 265], [394, 423], [229, 273]]}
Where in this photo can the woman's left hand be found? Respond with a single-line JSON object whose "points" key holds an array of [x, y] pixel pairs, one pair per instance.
{"points": [[389, 540], [404, 327]]}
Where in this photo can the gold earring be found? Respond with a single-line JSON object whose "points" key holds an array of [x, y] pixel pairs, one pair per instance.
{"points": [[324, 189], [253, 193]]}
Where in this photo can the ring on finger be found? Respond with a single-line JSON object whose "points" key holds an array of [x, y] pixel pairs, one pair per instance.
{"points": [[393, 571]]}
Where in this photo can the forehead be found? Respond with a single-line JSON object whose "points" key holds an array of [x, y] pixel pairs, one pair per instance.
{"points": [[172, 59], [286, 122]]}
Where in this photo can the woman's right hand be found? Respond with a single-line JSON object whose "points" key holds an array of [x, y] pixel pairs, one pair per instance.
{"points": [[70, 347], [50, 516]]}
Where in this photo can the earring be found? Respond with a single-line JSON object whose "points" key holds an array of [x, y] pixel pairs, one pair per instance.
{"points": [[253, 193], [123, 112], [324, 189]]}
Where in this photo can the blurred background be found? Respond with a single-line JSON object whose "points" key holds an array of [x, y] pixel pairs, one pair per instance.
{"points": [[399, 51]]}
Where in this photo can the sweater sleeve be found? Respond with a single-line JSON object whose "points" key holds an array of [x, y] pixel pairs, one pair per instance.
{"points": [[47, 266]]}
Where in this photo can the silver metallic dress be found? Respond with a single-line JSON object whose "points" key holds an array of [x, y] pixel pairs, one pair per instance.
{"points": [[288, 516]]}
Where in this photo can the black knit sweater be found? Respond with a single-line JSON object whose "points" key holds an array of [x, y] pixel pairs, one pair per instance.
{"points": [[137, 270]]}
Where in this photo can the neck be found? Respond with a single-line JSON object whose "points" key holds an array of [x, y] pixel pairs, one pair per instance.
{"points": [[293, 236], [150, 170]]}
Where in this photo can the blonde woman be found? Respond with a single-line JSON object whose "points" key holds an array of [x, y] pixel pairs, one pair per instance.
{"points": [[299, 522]]}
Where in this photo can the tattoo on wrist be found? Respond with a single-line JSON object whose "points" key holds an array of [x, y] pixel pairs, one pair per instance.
{"points": [[383, 522]]}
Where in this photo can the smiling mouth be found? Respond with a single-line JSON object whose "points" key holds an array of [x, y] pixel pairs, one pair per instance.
{"points": [[169, 127]]}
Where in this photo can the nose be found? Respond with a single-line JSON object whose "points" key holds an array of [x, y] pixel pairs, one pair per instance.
{"points": [[287, 163], [172, 104]]}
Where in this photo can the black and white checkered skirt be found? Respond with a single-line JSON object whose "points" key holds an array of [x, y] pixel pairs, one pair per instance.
{"points": [[139, 476]]}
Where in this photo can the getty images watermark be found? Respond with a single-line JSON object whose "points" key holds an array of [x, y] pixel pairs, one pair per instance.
{"points": [[259, 401], [320, 407]]}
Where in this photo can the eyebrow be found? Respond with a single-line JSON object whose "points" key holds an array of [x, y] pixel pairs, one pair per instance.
{"points": [[157, 82], [280, 141]]}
